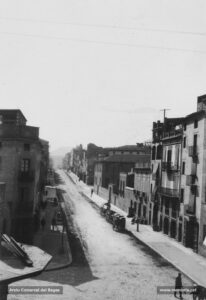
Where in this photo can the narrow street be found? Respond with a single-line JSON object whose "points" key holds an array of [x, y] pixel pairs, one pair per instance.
{"points": [[121, 266]]}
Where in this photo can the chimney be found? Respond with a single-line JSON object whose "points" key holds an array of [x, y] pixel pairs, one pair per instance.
{"points": [[201, 103]]}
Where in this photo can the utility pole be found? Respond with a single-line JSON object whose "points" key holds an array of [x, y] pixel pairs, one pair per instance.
{"points": [[164, 111]]}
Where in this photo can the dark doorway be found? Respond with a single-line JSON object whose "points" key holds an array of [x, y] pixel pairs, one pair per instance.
{"points": [[173, 229], [180, 233], [166, 226]]}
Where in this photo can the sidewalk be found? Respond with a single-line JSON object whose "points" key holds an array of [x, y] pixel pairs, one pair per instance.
{"points": [[182, 258], [53, 242]]}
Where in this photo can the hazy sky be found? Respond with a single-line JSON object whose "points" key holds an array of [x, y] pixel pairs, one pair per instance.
{"points": [[101, 71]]}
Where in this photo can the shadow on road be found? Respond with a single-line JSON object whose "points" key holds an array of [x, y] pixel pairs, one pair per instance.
{"points": [[77, 273]]}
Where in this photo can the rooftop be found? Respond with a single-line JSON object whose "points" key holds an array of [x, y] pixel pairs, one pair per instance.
{"points": [[197, 114], [12, 114]]}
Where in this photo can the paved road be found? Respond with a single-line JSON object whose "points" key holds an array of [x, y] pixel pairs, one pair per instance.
{"points": [[120, 266]]}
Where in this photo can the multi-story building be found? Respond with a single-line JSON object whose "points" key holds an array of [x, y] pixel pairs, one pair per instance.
{"points": [[178, 180], [76, 162], [92, 154], [23, 163], [142, 174], [193, 179], [170, 218], [166, 176], [114, 176], [155, 179]]}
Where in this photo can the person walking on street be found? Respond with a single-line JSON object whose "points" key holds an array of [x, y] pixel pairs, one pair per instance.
{"points": [[92, 191], [178, 285]]}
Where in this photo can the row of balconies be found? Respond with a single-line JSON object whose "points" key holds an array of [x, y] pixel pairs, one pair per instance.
{"points": [[175, 193]]}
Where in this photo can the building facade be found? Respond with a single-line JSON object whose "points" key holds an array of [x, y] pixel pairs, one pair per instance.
{"points": [[23, 163]]}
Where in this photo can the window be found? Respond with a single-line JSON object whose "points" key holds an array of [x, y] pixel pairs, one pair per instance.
{"points": [[195, 144], [183, 167], [204, 232], [196, 124], [169, 155], [159, 152], [184, 142], [185, 127], [25, 165], [153, 152], [182, 195], [26, 147]]}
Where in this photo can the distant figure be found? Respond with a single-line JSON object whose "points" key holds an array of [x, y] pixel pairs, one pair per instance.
{"points": [[54, 223], [178, 285], [92, 191], [43, 223]]}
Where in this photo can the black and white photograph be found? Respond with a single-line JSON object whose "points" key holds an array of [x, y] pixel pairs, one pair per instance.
{"points": [[102, 149]]}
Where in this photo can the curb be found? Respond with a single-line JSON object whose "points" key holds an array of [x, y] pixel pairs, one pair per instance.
{"points": [[70, 177], [65, 223], [149, 246]]}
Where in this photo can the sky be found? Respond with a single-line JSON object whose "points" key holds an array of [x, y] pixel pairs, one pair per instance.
{"points": [[101, 71]]}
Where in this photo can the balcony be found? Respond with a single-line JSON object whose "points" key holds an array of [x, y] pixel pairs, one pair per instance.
{"points": [[169, 166], [189, 209], [174, 214], [190, 180], [172, 193], [172, 134], [192, 151], [194, 190], [26, 176]]}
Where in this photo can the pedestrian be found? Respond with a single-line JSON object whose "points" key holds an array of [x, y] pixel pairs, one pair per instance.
{"points": [[54, 223], [137, 221], [43, 223], [178, 286], [92, 191]]}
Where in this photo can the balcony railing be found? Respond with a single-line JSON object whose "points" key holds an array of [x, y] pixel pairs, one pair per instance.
{"points": [[190, 180], [174, 193], [192, 151], [194, 189], [172, 134], [169, 166], [174, 214], [26, 176], [189, 209]]}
